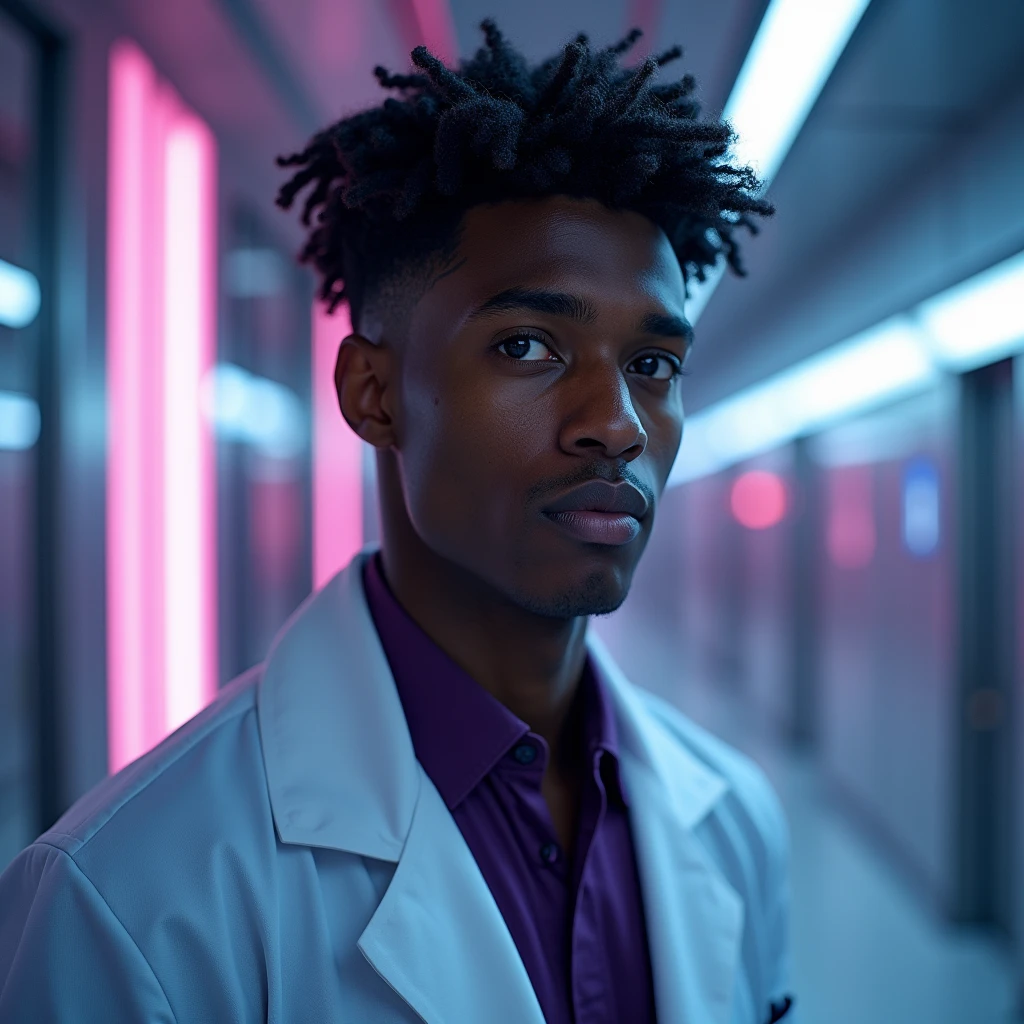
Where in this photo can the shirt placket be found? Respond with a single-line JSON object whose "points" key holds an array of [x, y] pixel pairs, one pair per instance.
{"points": [[588, 978], [523, 771]]}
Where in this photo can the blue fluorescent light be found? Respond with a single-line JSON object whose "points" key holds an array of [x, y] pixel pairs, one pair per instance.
{"points": [[921, 507], [787, 66], [254, 410], [882, 364], [966, 326], [978, 321], [19, 422], [19, 295]]}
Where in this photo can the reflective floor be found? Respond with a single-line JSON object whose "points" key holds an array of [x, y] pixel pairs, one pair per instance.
{"points": [[865, 948]]}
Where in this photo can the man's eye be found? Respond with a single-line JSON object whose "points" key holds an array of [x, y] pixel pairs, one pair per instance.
{"points": [[656, 367], [525, 348]]}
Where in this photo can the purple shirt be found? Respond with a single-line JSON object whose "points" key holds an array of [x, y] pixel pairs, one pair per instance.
{"points": [[577, 922]]}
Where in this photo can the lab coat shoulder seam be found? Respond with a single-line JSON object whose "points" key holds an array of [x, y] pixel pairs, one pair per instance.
{"points": [[91, 823], [92, 885]]}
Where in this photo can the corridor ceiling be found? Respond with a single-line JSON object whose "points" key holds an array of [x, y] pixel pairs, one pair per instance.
{"points": [[912, 84]]}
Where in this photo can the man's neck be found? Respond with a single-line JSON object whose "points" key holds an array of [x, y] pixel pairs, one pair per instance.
{"points": [[531, 663]]}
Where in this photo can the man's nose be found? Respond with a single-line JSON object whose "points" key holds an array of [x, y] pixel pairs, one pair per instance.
{"points": [[602, 416]]}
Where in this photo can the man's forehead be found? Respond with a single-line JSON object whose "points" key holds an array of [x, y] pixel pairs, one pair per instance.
{"points": [[565, 247], [561, 226]]}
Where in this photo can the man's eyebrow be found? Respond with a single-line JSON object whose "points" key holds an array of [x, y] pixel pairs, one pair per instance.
{"points": [[572, 307], [575, 307], [667, 326]]}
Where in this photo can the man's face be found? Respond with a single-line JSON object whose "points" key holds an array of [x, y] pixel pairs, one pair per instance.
{"points": [[544, 361]]}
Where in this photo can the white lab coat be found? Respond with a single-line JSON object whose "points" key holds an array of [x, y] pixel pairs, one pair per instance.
{"points": [[283, 857]]}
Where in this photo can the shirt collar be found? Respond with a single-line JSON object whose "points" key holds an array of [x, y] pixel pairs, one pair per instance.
{"points": [[459, 731], [600, 731]]}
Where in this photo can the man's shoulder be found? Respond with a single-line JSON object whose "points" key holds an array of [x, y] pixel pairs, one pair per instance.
{"points": [[749, 801], [745, 835], [193, 775]]}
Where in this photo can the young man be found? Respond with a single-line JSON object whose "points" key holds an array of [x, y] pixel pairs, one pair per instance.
{"points": [[438, 799]]}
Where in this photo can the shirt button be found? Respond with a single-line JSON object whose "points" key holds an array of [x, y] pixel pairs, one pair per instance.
{"points": [[549, 853], [525, 753]]}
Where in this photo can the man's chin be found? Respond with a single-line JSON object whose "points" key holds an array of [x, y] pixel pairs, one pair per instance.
{"points": [[598, 593]]}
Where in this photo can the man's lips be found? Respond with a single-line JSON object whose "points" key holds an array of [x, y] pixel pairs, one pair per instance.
{"points": [[597, 527], [601, 496], [600, 512]]}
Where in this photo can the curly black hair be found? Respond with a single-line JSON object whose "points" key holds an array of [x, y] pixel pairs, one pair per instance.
{"points": [[391, 184]]}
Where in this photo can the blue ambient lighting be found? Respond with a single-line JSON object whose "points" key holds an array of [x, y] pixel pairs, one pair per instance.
{"points": [[19, 295], [255, 410], [972, 323], [879, 365], [19, 422], [921, 507]]}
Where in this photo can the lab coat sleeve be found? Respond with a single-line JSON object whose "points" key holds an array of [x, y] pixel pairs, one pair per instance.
{"points": [[64, 956]]}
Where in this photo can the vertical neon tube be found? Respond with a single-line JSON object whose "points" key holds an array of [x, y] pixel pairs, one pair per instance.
{"points": [[130, 84], [337, 456], [149, 425], [161, 614], [189, 348]]}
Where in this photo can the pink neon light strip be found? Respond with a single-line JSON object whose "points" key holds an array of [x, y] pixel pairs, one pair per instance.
{"points": [[189, 351], [337, 457], [128, 622], [149, 423], [160, 537]]}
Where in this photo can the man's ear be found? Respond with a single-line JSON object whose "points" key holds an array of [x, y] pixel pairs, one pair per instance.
{"points": [[362, 378]]}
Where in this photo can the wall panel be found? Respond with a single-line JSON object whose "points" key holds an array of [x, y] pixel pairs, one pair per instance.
{"points": [[887, 652]]}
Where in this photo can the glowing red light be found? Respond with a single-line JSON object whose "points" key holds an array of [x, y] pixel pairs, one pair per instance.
{"points": [[758, 499]]}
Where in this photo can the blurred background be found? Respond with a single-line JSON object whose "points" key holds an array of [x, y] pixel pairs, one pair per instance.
{"points": [[837, 568]]}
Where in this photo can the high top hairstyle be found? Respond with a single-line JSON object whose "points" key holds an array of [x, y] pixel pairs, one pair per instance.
{"points": [[391, 184]]}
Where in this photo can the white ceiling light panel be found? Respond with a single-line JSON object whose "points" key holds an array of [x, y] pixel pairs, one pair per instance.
{"points": [[978, 321], [787, 66]]}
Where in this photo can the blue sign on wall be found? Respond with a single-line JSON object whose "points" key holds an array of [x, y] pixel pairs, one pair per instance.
{"points": [[921, 513]]}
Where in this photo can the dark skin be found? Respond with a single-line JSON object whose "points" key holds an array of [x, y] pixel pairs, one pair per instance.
{"points": [[482, 418]]}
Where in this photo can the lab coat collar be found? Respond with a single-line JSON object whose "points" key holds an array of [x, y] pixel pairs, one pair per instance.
{"points": [[342, 774], [340, 765]]}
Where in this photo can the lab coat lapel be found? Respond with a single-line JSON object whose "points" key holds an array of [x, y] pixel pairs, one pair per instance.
{"points": [[438, 938], [342, 774], [694, 916]]}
